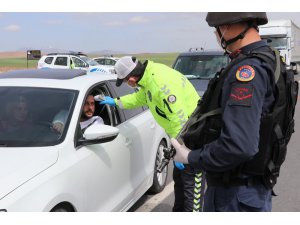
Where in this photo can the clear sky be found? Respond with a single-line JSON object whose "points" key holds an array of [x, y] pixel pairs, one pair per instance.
{"points": [[133, 32]]}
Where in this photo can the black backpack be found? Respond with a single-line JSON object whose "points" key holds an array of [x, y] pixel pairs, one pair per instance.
{"points": [[205, 124], [277, 127]]}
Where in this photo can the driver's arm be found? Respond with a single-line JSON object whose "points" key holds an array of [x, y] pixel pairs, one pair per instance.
{"points": [[59, 121]]}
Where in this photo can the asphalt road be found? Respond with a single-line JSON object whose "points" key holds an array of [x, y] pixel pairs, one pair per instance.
{"points": [[287, 187]]}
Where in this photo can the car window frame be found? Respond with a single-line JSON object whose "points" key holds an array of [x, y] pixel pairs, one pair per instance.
{"points": [[66, 129], [115, 113], [57, 57], [74, 58], [48, 57], [127, 113]]}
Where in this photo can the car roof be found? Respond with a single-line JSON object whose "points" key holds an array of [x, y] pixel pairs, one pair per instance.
{"points": [[67, 53], [60, 74], [54, 78], [201, 53], [106, 57]]}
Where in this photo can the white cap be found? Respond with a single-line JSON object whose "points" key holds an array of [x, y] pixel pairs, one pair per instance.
{"points": [[123, 67]]}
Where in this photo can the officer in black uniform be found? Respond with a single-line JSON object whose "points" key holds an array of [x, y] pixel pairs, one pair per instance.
{"points": [[246, 95]]}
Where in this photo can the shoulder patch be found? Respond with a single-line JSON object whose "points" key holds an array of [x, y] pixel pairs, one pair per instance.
{"points": [[245, 73], [172, 98], [241, 94]]}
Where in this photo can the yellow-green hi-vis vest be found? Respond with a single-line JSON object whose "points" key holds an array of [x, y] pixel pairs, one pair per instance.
{"points": [[169, 95]]}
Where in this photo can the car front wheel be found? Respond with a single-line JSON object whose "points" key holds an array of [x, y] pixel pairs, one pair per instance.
{"points": [[63, 207], [159, 179]]}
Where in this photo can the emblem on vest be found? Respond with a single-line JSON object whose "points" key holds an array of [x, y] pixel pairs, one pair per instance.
{"points": [[172, 98], [245, 73]]}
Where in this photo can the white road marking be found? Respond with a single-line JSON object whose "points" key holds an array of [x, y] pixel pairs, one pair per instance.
{"points": [[155, 200]]}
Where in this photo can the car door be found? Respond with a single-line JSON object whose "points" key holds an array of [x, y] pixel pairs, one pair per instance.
{"points": [[109, 169], [106, 169], [79, 64], [140, 129], [61, 62]]}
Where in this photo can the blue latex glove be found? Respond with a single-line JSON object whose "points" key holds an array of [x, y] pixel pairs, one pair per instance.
{"points": [[179, 165], [109, 101]]}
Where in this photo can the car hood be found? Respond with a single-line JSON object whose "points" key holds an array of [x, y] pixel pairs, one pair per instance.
{"points": [[200, 85], [18, 165]]}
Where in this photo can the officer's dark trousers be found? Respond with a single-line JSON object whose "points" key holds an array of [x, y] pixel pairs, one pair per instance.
{"points": [[254, 198], [184, 189]]}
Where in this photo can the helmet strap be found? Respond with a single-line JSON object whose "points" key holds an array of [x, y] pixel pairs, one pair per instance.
{"points": [[222, 40], [240, 36], [225, 43]]}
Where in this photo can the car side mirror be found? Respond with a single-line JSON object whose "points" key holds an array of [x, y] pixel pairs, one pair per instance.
{"points": [[99, 133]]}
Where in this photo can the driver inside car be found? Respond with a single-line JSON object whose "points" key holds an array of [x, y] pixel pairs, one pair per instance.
{"points": [[87, 117], [16, 115]]}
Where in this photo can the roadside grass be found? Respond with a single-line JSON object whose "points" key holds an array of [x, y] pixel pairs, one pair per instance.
{"points": [[164, 58], [21, 63], [17, 63]]}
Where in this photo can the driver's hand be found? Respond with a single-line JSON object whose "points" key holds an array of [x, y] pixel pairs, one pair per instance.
{"points": [[58, 127]]}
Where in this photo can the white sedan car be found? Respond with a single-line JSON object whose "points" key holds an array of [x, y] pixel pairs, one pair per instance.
{"points": [[106, 168]]}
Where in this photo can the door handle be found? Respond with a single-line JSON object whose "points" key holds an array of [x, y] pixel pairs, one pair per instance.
{"points": [[152, 125], [128, 141]]}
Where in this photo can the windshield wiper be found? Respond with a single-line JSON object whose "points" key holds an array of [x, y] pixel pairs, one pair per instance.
{"points": [[193, 77]]}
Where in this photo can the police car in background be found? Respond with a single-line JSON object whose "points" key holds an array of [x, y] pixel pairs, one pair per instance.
{"points": [[78, 59], [200, 65], [106, 60]]}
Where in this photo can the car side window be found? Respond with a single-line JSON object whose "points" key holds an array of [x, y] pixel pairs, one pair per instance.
{"points": [[101, 61], [61, 61], [49, 60], [109, 114], [125, 90], [112, 62], [78, 62]]}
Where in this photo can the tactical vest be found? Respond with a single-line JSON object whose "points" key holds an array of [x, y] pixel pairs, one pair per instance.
{"points": [[276, 128]]}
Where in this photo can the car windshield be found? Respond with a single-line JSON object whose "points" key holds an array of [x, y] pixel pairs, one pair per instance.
{"points": [[200, 66], [278, 43], [89, 61], [26, 115]]}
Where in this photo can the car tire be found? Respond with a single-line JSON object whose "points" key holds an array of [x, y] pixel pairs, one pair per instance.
{"points": [[62, 208], [59, 210], [159, 179]]}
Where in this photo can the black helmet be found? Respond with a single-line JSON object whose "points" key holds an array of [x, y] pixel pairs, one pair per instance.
{"points": [[215, 19]]}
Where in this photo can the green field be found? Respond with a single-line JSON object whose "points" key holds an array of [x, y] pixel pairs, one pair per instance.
{"points": [[18, 63], [164, 58]]}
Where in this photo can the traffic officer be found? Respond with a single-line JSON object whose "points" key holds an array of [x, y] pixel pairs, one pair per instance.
{"points": [[171, 99], [244, 98], [72, 66]]}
